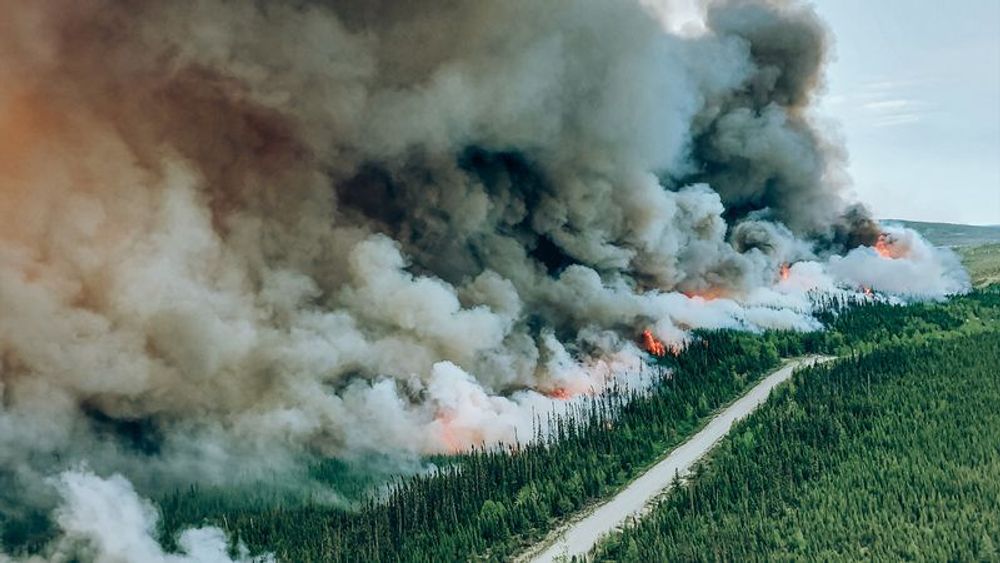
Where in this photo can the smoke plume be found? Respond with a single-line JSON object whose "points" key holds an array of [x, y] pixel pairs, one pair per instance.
{"points": [[239, 235], [105, 521]]}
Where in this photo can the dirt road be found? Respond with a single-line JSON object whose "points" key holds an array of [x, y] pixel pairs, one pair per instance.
{"points": [[578, 537]]}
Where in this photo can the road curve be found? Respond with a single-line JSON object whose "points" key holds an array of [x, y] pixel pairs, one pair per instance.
{"points": [[578, 537]]}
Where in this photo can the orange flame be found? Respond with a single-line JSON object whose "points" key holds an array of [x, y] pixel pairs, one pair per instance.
{"points": [[454, 437], [867, 290], [883, 247], [449, 437], [560, 394], [653, 345], [785, 272], [710, 294]]}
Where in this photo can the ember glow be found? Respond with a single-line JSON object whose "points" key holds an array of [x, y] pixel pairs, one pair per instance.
{"points": [[652, 344], [785, 271], [454, 437], [560, 394], [708, 294], [884, 248]]}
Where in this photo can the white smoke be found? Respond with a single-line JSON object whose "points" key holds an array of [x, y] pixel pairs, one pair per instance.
{"points": [[106, 521], [908, 265]]}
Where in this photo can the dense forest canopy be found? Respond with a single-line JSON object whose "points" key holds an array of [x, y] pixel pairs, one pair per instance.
{"points": [[492, 502], [887, 455]]}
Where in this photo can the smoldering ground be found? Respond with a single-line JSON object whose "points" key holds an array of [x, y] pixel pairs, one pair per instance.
{"points": [[235, 236]]}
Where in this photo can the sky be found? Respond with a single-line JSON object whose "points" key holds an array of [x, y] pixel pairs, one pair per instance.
{"points": [[914, 92], [915, 87]]}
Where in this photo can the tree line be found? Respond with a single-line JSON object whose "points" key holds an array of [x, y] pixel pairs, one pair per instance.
{"points": [[492, 502], [888, 455]]}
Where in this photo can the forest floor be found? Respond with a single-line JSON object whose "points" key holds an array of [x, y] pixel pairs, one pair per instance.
{"points": [[578, 537]]}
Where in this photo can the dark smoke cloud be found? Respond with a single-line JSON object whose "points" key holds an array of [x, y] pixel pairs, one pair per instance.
{"points": [[242, 234], [758, 146]]}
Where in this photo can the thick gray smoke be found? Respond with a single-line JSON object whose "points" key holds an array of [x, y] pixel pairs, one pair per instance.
{"points": [[235, 235]]}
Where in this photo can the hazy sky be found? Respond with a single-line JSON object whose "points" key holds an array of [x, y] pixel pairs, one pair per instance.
{"points": [[916, 89]]}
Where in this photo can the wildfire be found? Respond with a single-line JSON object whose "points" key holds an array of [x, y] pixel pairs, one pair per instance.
{"points": [[867, 290], [652, 344], [560, 394], [883, 247], [785, 272], [454, 437], [710, 294], [657, 347], [452, 443]]}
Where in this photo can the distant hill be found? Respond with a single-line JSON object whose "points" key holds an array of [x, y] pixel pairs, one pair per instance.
{"points": [[949, 234], [982, 262]]}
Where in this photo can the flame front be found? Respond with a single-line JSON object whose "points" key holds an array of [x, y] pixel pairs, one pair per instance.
{"points": [[560, 394], [884, 247], [709, 294], [453, 436], [653, 345], [785, 272]]}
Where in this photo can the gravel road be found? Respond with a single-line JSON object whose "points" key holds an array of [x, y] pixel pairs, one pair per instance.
{"points": [[578, 537]]}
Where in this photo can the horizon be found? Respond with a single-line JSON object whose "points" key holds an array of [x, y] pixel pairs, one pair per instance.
{"points": [[985, 225]]}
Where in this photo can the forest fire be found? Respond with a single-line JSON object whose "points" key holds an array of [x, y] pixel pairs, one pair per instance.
{"points": [[282, 236], [867, 291], [785, 272], [453, 438], [884, 248], [653, 345], [657, 347], [710, 294], [451, 442], [560, 394]]}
